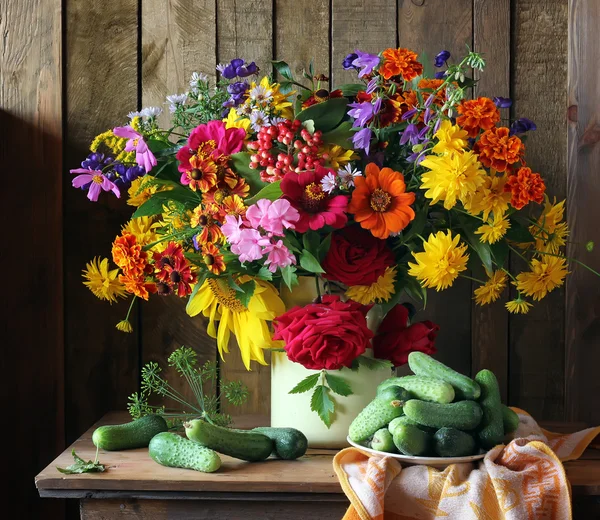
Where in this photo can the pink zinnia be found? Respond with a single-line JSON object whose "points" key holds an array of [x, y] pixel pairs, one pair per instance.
{"points": [[143, 156], [279, 256], [97, 181], [316, 207], [210, 139], [274, 216]]}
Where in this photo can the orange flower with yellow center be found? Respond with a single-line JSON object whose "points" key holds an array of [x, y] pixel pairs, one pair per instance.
{"points": [[497, 149], [477, 114], [380, 202], [205, 219], [203, 175], [213, 258], [400, 62]]}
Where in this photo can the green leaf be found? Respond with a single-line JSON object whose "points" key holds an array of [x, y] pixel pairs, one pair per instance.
{"points": [[289, 276], [321, 403], [500, 252], [338, 384], [340, 135], [324, 247], [247, 292], [311, 241], [264, 274], [81, 466], [171, 150], [283, 68], [374, 363], [271, 191], [156, 145], [306, 384], [310, 263], [240, 163], [519, 231], [351, 89], [326, 115], [154, 205], [291, 242], [468, 227], [417, 225]]}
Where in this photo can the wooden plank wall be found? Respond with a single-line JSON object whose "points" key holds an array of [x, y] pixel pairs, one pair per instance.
{"points": [[71, 69]]}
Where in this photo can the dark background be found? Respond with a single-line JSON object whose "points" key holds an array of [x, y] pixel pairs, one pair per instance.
{"points": [[70, 69]]}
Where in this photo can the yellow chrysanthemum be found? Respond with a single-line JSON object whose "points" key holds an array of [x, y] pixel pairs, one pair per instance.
{"points": [[491, 290], [494, 229], [518, 306], [141, 190], [218, 302], [380, 291], [124, 326], [338, 157], [441, 262], [143, 228], [490, 197], [550, 232], [453, 177], [450, 138], [546, 274], [102, 282], [233, 120]]}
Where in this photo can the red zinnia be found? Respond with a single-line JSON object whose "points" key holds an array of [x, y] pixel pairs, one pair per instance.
{"points": [[317, 208], [525, 186]]}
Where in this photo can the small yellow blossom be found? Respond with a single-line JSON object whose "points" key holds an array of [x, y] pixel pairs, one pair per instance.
{"points": [[490, 197], [547, 273], [142, 189], [550, 231], [494, 229], [233, 120], [491, 290], [451, 138], [103, 283], [518, 306], [338, 157], [124, 326], [379, 291], [143, 228]]}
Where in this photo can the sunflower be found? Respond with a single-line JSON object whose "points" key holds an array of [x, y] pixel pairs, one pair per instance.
{"points": [[102, 282], [491, 290], [219, 303], [378, 292], [518, 306], [546, 274], [550, 232], [494, 229], [380, 202], [441, 262]]}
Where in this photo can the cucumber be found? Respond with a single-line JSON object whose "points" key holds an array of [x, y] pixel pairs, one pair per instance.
{"points": [[510, 419], [175, 451], [424, 388], [463, 415], [245, 445], [134, 434], [450, 442], [378, 413], [383, 441], [403, 419], [491, 429], [411, 440], [289, 443], [424, 365]]}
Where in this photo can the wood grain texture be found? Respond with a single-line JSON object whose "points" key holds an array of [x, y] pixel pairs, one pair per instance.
{"points": [[583, 213], [246, 30], [178, 38], [537, 348], [367, 25], [489, 324], [31, 327], [102, 363]]}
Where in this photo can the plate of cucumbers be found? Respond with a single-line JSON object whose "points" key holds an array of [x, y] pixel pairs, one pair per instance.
{"points": [[436, 416]]}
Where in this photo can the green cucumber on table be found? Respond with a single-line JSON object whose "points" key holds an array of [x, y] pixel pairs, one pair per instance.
{"points": [[134, 434], [450, 442], [424, 388], [411, 440], [288, 443], [491, 429], [462, 415], [383, 441], [510, 419], [175, 451]]}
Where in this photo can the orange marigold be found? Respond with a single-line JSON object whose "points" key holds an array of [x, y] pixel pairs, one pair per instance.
{"points": [[138, 286], [129, 256], [400, 62], [497, 149], [525, 186], [477, 114], [380, 202], [432, 85]]}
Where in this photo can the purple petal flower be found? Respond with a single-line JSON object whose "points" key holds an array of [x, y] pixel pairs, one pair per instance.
{"points": [[143, 155], [372, 86], [437, 125], [247, 70], [441, 58], [440, 74], [367, 61], [362, 139], [411, 133], [377, 106], [502, 102], [226, 70], [409, 114], [520, 126], [347, 63], [97, 182], [361, 112], [428, 115], [237, 62]]}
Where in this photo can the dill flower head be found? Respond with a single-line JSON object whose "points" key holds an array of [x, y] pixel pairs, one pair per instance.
{"points": [[547, 273], [102, 282], [518, 306], [550, 232], [378, 292], [450, 138], [491, 290], [494, 229], [490, 197], [453, 177], [441, 262]]}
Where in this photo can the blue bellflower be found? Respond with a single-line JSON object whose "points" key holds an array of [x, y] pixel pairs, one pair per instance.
{"points": [[441, 58], [520, 126], [502, 102], [367, 62]]}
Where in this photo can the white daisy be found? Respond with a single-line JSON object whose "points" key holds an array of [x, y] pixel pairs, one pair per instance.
{"points": [[277, 120], [258, 119], [150, 112], [329, 182], [347, 174], [244, 110], [176, 100], [131, 115], [260, 94], [198, 77]]}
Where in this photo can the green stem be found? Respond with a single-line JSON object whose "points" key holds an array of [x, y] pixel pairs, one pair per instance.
{"points": [[130, 307], [472, 279]]}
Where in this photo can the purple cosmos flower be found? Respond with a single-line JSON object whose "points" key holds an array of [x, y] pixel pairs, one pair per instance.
{"points": [[502, 102], [441, 58], [367, 61], [361, 112], [143, 156], [520, 126], [97, 182], [347, 63], [362, 139]]}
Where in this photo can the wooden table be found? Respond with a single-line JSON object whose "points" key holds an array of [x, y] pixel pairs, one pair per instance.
{"points": [[135, 487]]}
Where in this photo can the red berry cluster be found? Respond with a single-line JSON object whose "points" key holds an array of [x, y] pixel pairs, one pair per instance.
{"points": [[290, 153]]}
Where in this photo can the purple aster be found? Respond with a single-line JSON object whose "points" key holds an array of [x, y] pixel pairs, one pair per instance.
{"points": [[226, 70], [96, 161], [441, 58], [361, 112], [347, 63], [502, 102], [367, 61], [520, 126], [362, 139]]}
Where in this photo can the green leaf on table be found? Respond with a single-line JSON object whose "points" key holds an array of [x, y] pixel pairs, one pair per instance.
{"points": [[240, 163], [81, 466], [374, 363], [271, 191], [289, 276], [326, 115], [306, 384], [321, 403], [338, 384], [309, 262]]}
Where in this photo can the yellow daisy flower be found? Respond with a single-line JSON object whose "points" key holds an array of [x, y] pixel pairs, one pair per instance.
{"points": [[451, 138], [490, 197], [233, 120], [441, 262], [380, 291], [518, 306], [124, 326], [546, 274], [338, 157], [494, 229], [226, 314], [103, 283], [491, 290], [143, 228], [550, 232], [141, 190], [453, 177]]}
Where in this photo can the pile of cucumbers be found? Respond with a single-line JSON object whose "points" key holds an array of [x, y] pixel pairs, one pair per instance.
{"points": [[436, 412], [200, 450]]}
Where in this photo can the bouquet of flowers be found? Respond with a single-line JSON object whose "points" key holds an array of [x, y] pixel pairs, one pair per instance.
{"points": [[378, 190]]}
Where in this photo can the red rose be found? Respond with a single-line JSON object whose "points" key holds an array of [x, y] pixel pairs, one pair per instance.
{"points": [[356, 257], [329, 335], [395, 339]]}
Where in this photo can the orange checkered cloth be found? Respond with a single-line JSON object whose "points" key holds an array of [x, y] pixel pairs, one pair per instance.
{"points": [[524, 479]]}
